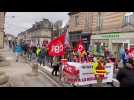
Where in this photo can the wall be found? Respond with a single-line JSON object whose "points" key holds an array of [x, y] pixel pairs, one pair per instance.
{"points": [[2, 20], [111, 22]]}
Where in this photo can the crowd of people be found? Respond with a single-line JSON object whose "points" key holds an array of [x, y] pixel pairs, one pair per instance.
{"points": [[33, 52], [40, 53]]}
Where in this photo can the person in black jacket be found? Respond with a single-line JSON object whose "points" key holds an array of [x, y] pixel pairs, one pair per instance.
{"points": [[55, 65], [126, 75]]}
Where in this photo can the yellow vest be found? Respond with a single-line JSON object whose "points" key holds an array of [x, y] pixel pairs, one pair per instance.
{"points": [[95, 65], [37, 51], [83, 53]]}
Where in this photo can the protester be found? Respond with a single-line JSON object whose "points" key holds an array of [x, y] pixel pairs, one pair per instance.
{"points": [[29, 53], [42, 56], [106, 53], [55, 67], [13, 46], [10, 44], [25, 48], [38, 52], [126, 75], [122, 56], [18, 52], [125, 58], [95, 65]]}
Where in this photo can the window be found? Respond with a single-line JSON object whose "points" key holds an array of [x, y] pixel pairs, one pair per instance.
{"points": [[76, 20], [99, 22], [128, 18]]}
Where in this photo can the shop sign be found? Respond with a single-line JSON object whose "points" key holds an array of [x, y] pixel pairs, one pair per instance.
{"points": [[111, 36], [107, 36]]}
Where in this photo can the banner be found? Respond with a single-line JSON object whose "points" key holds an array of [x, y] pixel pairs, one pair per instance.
{"points": [[56, 46], [82, 74]]}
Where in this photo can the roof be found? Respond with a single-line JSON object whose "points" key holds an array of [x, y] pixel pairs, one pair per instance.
{"points": [[72, 13]]}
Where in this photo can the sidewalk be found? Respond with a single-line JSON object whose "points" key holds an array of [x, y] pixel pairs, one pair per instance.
{"points": [[19, 73]]}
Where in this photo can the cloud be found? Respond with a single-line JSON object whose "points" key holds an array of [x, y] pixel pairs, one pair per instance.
{"points": [[16, 22]]}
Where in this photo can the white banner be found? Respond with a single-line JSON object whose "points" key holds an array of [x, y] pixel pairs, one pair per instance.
{"points": [[82, 74]]}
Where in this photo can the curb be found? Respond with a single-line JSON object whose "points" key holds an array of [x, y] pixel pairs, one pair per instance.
{"points": [[53, 78], [3, 78], [44, 71]]}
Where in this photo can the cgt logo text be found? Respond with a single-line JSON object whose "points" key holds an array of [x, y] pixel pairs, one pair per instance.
{"points": [[57, 48]]}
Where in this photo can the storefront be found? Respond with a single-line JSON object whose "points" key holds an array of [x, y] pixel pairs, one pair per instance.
{"points": [[86, 39], [75, 38], [114, 41]]}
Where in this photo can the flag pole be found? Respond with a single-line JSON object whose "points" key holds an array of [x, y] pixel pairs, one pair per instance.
{"points": [[80, 52]]}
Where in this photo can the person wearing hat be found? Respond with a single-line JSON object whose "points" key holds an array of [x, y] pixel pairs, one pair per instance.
{"points": [[126, 75]]}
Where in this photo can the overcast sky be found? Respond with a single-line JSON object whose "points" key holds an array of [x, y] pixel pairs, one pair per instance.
{"points": [[17, 22]]}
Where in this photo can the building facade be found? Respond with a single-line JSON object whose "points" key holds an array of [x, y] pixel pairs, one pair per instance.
{"points": [[40, 31], [80, 27], [108, 29], [2, 22]]}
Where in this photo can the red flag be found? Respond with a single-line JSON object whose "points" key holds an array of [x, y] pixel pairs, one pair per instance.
{"points": [[80, 47], [56, 46], [131, 53], [67, 43]]}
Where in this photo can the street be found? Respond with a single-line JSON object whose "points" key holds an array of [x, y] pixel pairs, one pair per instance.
{"points": [[19, 73], [66, 49]]}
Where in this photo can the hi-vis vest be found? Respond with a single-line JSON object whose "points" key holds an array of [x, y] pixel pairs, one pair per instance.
{"points": [[101, 70], [95, 65], [94, 51], [38, 51], [97, 71]]}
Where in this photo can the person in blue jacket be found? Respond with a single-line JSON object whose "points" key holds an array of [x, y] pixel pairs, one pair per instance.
{"points": [[18, 51]]}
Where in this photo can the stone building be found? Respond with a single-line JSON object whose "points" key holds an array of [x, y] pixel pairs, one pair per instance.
{"points": [[40, 31], [2, 22], [107, 29]]}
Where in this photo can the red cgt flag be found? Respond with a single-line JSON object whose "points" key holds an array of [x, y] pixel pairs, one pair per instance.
{"points": [[56, 46], [80, 47]]}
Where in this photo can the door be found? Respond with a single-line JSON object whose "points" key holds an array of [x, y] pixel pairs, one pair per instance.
{"points": [[125, 45], [116, 49]]}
